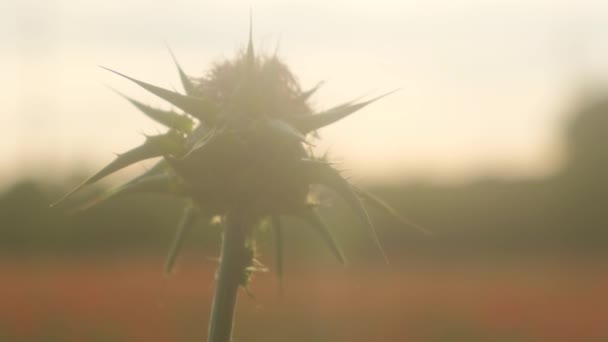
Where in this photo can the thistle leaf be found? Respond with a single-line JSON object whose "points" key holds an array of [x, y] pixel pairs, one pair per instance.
{"points": [[322, 173], [170, 119], [200, 138], [158, 169], [283, 129], [382, 205], [309, 123], [154, 146], [161, 167], [313, 219], [250, 57], [277, 229], [186, 82], [160, 184], [198, 107], [307, 94], [163, 184], [189, 218]]}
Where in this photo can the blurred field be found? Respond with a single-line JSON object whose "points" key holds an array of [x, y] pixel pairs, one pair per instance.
{"points": [[130, 300], [511, 260]]}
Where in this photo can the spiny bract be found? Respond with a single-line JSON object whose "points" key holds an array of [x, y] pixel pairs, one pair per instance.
{"points": [[240, 142]]}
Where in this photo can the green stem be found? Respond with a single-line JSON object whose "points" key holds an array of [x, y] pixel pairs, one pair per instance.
{"points": [[236, 256]]}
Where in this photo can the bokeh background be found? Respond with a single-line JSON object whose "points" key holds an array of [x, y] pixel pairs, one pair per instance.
{"points": [[496, 142]]}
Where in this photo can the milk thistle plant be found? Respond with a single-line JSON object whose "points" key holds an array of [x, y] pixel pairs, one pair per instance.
{"points": [[239, 148]]}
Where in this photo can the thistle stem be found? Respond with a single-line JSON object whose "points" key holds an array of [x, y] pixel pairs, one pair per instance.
{"points": [[236, 256]]}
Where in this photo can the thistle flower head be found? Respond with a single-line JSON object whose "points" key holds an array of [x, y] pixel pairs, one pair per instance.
{"points": [[240, 141]]}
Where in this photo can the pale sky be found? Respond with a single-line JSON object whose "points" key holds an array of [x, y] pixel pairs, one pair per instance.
{"points": [[485, 85]]}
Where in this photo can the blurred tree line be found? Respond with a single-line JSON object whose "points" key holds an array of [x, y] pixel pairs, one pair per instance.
{"points": [[565, 213]]}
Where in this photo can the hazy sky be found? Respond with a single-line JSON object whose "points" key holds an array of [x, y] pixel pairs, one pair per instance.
{"points": [[485, 85]]}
